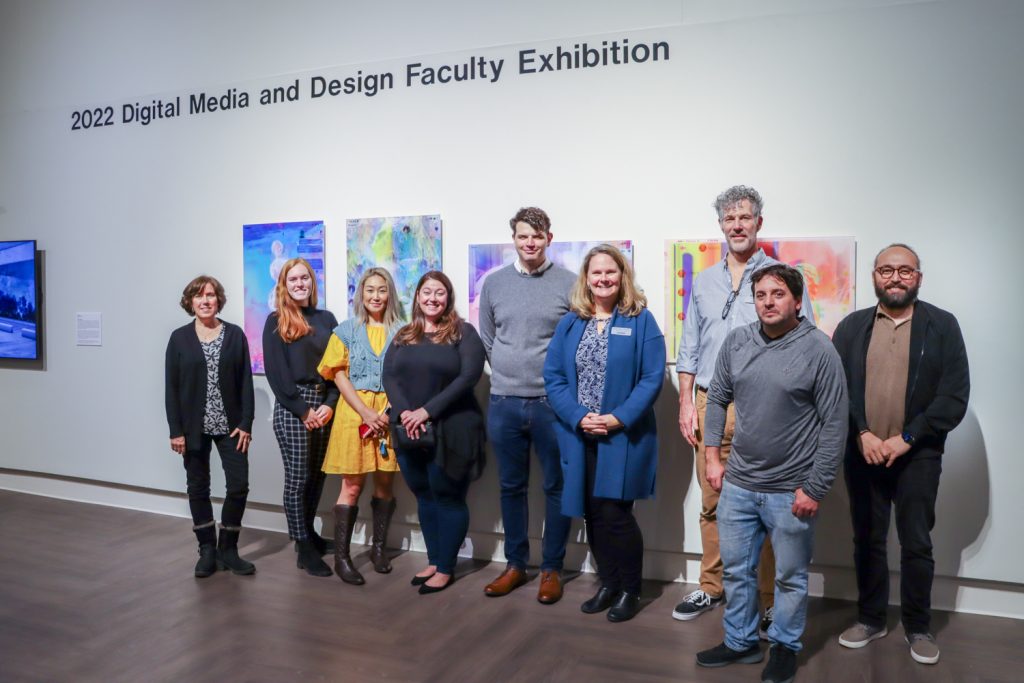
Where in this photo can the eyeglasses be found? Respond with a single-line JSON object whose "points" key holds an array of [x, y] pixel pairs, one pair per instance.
{"points": [[905, 272], [729, 302]]}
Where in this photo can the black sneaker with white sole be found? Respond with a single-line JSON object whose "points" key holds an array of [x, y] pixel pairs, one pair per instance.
{"points": [[695, 604]]}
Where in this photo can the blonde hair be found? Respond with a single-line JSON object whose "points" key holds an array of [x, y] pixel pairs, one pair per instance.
{"points": [[291, 324], [393, 309], [631, 300]]}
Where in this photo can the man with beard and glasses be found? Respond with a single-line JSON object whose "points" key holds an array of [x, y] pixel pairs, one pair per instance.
{"points": [[906, 370]]}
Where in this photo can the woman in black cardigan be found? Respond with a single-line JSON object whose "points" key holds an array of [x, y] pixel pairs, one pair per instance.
{"points": [[209, 400], [437, 427]]}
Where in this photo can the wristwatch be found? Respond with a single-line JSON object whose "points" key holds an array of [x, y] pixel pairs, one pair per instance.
{"points": [[908, 438]]}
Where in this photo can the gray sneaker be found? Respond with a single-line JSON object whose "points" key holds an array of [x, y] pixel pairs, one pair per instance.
{"points": [[695, 604], [923, 648], [859, 635]]}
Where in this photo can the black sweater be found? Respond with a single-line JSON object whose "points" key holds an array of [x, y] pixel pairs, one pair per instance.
{"points": [[938, 382], [440, 378], [185, 382], [290, 364]]}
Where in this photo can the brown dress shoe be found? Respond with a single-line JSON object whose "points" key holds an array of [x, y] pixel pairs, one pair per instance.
{"points": [[550, 590], [510, 579]]}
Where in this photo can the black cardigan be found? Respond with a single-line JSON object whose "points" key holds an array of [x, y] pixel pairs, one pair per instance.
{"points": [[185, 385], [938, 383]]}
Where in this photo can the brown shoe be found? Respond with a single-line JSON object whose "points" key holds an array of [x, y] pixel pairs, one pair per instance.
{"points": [[510, 579], [550, 590]]}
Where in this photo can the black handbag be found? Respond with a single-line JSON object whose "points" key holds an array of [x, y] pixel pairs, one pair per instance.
{"points": [[426, 441]]}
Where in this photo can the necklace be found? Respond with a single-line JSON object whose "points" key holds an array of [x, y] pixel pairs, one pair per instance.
{"points": [[207, 334]]}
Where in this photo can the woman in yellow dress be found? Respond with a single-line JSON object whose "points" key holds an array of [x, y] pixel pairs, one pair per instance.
{"points": [[360, 443]]}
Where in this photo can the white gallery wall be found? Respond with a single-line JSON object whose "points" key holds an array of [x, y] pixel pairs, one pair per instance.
{"points": [[885, 121]]}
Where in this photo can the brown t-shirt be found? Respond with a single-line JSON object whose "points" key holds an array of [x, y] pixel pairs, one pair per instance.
{"points": [[888, 365]]}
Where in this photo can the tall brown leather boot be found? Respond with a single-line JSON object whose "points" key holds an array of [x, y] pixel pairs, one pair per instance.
{"points": [[344, 522], [382, 512]]}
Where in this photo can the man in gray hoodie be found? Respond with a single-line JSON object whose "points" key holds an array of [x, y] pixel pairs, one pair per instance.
{"points": [[788, 386]]}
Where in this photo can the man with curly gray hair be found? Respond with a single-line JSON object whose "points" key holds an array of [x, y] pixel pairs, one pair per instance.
{"points": [[721, 300]]}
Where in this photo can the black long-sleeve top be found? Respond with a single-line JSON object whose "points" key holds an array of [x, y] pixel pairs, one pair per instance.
{"points": [[440, 378], [185, 382], [437, 377], [289, 364]]}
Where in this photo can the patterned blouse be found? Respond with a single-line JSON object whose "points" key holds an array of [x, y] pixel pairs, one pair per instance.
{"points": [[215, 420], [591, 361]]}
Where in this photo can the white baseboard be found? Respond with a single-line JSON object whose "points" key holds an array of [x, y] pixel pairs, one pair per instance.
{"points": [[949, 593]]}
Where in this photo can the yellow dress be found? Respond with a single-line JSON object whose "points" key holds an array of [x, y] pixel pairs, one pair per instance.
{"points": [[346, 452]]}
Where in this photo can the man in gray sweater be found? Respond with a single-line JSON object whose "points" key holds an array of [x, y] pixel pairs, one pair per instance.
{"points": [[787, 383], [520, 306]]}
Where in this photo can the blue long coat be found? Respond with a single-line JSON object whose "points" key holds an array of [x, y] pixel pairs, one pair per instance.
{"points": [[627, 458]]}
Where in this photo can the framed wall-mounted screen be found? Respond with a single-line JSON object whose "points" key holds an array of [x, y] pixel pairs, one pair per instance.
{"points": [[19, 300]]}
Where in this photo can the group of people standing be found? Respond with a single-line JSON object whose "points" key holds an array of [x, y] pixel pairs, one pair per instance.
{"points": [[770, 404], [772, 407]]}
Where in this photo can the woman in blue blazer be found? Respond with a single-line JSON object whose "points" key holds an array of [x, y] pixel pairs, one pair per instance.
{"points": [[604, 369]]}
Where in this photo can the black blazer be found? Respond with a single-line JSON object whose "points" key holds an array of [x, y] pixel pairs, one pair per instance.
{"points": [[938, 384], [185, 386]]}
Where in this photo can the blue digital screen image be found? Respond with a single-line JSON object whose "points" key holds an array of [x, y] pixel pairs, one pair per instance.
{"points": [[19, 310]]}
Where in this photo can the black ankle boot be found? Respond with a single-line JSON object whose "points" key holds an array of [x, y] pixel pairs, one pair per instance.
{"points": [[309, 559], [625, 608], [344, 522], [227, 553], [207, 563], [322, 545], [382, 512]]}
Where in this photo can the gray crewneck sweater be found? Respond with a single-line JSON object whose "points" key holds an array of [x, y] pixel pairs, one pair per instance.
{"points": [[791, 409], [518, 316]]}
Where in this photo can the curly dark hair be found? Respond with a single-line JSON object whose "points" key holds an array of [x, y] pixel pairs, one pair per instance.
{"points": [[532, 216], [787, 275], [196, 286]]}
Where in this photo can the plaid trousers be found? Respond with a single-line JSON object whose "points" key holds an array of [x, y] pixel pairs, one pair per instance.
{"points": [[303, 454]]}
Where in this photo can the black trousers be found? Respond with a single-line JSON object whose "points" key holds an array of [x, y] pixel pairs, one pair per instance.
{"points": [[236, 479], [616, 541], [912, 484]]}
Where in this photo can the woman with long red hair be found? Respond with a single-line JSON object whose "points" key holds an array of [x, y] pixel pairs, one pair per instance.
{"points": [[294, 339]]}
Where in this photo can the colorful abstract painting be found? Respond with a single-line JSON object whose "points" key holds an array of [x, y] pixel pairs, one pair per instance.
{"points": [[408, 246], [827, 264], [18, 311], [266, 247], [484, 259]]}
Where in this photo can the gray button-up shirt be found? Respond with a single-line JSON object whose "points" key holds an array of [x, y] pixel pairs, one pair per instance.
{"points": [[704, 328]]}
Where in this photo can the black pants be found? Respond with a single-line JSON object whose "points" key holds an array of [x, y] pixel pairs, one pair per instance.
{"points": [[912, 484], [236, 479], [616, 541]]}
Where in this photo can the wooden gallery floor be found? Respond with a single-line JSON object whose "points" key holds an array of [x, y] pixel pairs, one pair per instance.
{"points": [[91, 593]]}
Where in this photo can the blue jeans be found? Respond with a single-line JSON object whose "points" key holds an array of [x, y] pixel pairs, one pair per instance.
{"points": [[512, 424], [441, 505], [744, 519]]}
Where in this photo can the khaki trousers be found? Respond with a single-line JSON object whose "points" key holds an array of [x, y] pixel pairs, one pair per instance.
{"points": [[711, 561]]}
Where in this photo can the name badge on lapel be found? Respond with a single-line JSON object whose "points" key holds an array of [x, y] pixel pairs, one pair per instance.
{"points": [[622, 331]]}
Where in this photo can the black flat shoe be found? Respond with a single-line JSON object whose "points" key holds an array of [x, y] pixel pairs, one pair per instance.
{"points": [[602, 600], [420, 580], [626, 606], [426, 590]]}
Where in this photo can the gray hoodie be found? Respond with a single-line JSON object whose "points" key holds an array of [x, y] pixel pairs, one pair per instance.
{"points": [[791, 409]]}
